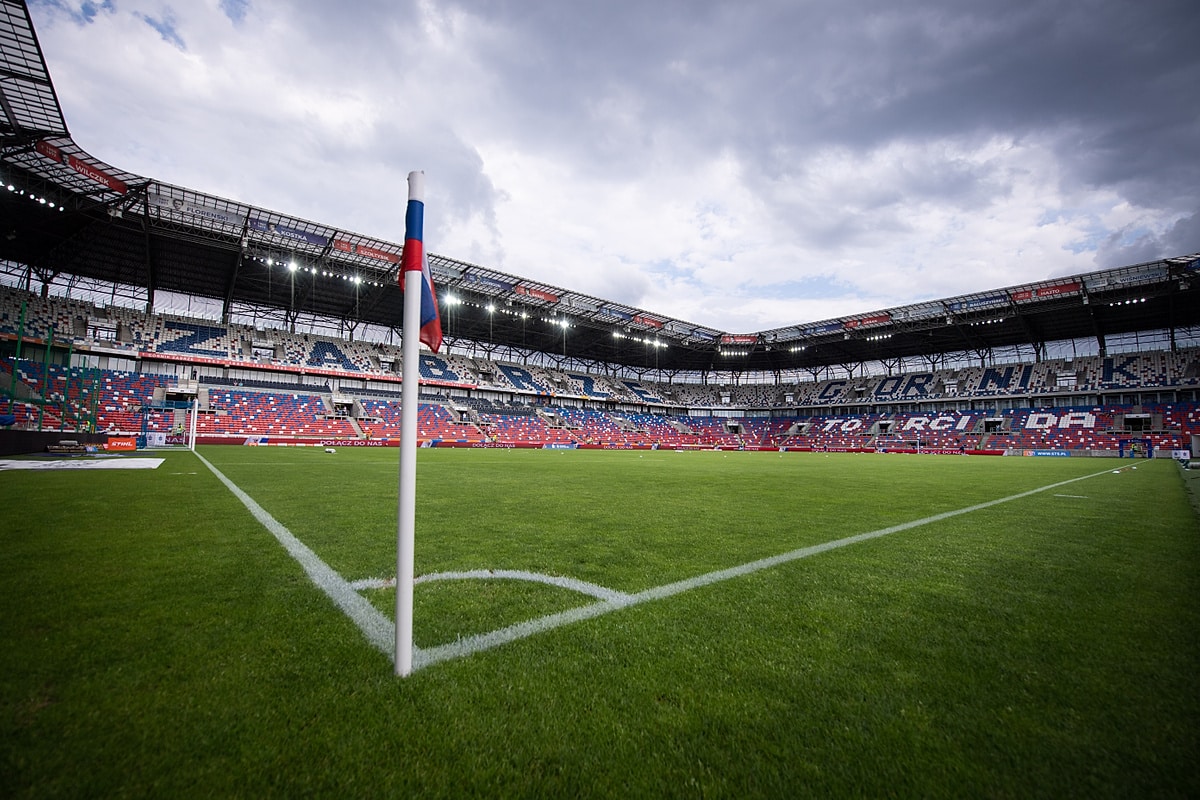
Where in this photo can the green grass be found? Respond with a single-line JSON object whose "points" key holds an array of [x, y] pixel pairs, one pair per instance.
{"points": [[159, 642]]}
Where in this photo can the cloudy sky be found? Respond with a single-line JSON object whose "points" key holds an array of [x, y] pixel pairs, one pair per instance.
{"points": [[743, 165]]}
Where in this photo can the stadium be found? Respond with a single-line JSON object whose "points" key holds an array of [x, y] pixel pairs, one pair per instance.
{"points": [[938, 549]]}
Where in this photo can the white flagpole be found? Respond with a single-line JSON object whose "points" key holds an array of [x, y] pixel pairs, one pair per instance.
{"points": [[410, 345], [191, 438]]}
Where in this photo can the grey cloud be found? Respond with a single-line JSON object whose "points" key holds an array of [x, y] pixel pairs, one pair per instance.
{"points": [[1100, 95], [1131, 247]]}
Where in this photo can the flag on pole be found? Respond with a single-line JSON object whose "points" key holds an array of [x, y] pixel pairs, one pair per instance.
{"points": [[415, 259]]}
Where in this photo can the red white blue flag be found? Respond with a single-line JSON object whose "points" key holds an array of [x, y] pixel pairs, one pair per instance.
{"points": [[415, 259]]}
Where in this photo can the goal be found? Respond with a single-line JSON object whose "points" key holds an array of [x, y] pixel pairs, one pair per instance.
{"points": [[1137, 448], [169, 424]]}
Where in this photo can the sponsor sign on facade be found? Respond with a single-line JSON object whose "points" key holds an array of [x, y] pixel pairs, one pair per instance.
{"points": [[81, 166]]}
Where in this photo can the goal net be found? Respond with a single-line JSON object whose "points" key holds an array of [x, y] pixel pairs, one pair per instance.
{"points": [[169, 424], [1137, 448]]}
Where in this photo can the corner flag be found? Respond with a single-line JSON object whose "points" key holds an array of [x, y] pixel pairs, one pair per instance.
{"points": [[415, 259]]}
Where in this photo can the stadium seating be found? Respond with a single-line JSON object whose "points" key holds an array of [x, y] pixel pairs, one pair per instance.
{"points": [[246, 412], [123, 398], [474, 399]]}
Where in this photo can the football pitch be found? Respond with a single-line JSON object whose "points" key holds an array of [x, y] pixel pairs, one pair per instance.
{"points": [[602, 624]]}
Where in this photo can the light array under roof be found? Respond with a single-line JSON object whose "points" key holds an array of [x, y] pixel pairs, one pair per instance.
{"points": [[41, 199]]}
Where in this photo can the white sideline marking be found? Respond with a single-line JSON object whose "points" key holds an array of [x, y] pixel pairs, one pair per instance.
{"points": [[379, 630], [1073, 496]]}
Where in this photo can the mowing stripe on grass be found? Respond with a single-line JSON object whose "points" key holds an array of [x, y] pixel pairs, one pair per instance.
{"points": [[379, 630], [485, 641]]}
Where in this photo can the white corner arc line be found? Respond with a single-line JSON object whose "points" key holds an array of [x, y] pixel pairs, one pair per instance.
{"points": [[583, 587], [562, 582], [379, 630]]}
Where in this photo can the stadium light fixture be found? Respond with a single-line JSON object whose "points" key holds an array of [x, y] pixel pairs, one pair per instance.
{"points": [[491, 309], [292, 266]]}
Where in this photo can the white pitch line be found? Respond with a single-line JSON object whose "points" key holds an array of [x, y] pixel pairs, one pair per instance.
{"points": [[373, 583], [486, 641], [379, 630], [562, 582], [583, 587]]}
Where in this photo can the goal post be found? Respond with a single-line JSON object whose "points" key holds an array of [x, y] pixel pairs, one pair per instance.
{"points": [[1137, 448], [169, 425]]}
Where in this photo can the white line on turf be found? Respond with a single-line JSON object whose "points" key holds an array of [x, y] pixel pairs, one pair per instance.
{"points": [[372, 583], [583, 587], [485, 641], [379, 630]]}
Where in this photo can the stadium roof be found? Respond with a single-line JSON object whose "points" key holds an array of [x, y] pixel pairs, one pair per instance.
{"points": [[66, 212]]}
